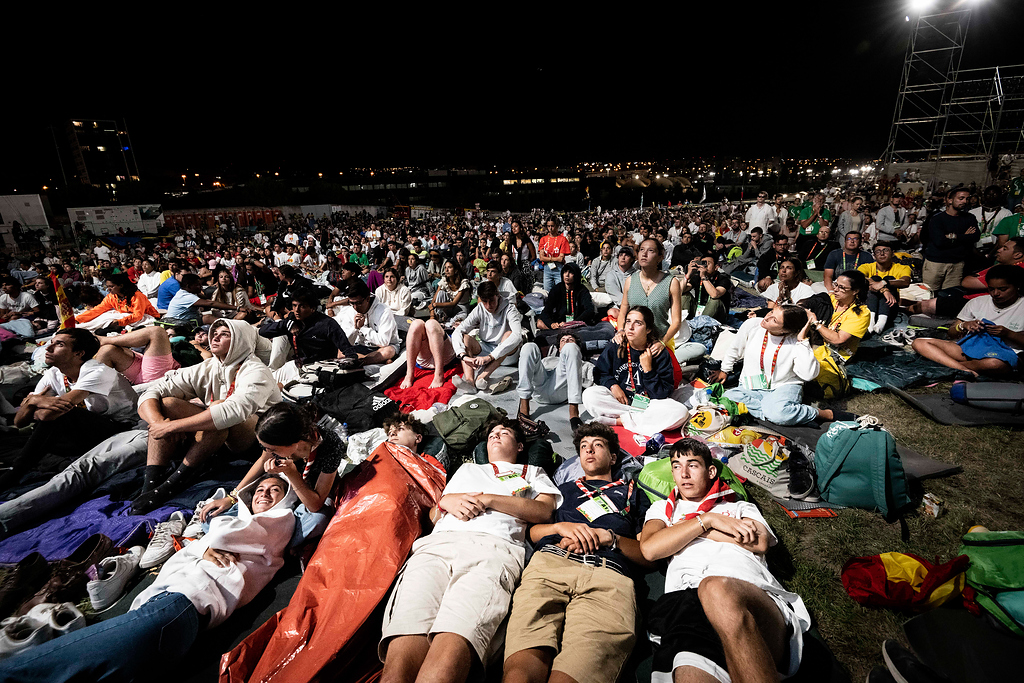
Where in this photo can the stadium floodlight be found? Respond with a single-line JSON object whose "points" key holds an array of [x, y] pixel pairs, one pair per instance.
{"points": [[921, 5]]}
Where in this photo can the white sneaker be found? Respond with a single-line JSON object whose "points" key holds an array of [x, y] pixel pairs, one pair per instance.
{"points": [[62, 617], [20, 633], [161, 546], [119, 569]]}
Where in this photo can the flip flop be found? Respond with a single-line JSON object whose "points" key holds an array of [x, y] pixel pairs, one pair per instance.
{"points": [[502, 386]]}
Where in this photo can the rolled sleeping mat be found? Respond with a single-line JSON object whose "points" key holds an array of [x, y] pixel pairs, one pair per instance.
{"points": [[1004, 397]]}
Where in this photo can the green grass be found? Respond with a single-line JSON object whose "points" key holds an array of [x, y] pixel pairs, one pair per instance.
{"points": [[813, 551]]}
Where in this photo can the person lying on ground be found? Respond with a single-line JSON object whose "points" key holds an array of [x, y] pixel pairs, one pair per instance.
{"points": [[123, 305], [723, 615], [949, 302], [139, 368], [558, 381], [456, 586], [198, 588], [307, 333], [886, 278], [777, 360], [582, 572], [369, 325], [999, 314], [293, 436], [233, 387], [628, 376], [500, 328], [77, 403]]}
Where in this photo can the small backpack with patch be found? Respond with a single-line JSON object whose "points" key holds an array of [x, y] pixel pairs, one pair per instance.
{"points": [[461, 426]]}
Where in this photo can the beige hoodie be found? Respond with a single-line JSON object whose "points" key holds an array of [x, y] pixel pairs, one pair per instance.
{"points": [[242, 382]]}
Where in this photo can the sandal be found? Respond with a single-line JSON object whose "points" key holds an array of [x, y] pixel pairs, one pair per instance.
{"points": [[503, 385], [532, 429]]}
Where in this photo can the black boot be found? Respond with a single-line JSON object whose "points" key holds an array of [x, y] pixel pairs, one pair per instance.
{"points": [[151, 500]]}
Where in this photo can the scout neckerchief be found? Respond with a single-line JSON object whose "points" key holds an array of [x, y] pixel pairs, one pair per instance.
{"points": [[498, 474], [312, 453], [718, 493], [775, 358], [590, 493]]}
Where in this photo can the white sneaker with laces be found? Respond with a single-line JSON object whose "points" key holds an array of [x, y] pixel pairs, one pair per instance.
{"points": [[161, 546], [120, 569], [20, 633], [61, 617]]}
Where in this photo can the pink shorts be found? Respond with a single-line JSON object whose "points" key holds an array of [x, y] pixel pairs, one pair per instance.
{"points": [[148, 368]]}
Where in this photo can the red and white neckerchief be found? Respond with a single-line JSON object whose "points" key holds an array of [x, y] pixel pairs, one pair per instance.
{"points": [[775, 358], [718, 493], [312, 453], [590, 493], [67, 384], [498, 474]]}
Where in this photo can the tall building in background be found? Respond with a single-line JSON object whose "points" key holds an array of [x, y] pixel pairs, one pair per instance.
{"points": [[101, 153]]}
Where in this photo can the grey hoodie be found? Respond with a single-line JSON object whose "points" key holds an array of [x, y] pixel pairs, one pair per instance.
{"points": [[242, 382]]}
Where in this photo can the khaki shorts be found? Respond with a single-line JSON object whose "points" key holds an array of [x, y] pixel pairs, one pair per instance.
{"points": [[457, 582], [942, 275], [587, 615]]}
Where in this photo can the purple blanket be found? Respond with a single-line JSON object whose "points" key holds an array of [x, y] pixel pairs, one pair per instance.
{"points": [[58, 538]]}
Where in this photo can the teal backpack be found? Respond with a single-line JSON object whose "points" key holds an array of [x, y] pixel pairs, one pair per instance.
{"points": [[859, 467], [996, 574]]}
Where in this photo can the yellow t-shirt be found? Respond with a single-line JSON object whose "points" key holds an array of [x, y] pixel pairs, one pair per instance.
{"points": [[164, 275], [854, 323], [896, 270]]}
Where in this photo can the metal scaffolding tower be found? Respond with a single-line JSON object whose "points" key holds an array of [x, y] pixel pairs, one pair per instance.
{"points": [[926, 90], [985, 116]]}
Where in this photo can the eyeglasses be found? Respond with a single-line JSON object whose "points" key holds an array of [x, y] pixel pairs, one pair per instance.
{"points": [[840, 288]]}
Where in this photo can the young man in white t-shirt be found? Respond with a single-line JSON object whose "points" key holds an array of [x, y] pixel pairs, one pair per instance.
{"points": [[455, 589], [723, 614]]}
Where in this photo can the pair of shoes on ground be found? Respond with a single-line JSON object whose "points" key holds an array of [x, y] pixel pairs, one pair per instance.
{"points": [[43, 622], [109, 578], [899, 336], [69, 576], [903, 667], [502, 385], [161, 545]]}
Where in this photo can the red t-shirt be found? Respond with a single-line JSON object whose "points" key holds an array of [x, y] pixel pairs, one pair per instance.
{"points": [[554, 245]]}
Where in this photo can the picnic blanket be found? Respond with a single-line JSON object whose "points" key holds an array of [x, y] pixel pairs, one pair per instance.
{"points": [[420, 396]]}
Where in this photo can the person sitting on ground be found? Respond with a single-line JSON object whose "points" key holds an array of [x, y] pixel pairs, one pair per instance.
{"points": [[233, 387], [311, 335], [949, 302], [522, 282], [349, 272], [393, 294], [790, 286], [149, 282], [777, 360], [505, 286], [77, 403], [1000, 314], [369, 326], [816, 252], [569, 302], [582, 572], [757, 246], [293, 437], [16, 303], [723, 615], [557, 381], [427, 347], [601, 266], [630, 374], [615, 281], [500, 328], [886, 279], [197, 589], [418, 280], [768, 264], [289, 283], [451, 299], [850, 257], [229, 293], [454, 591], [139, 368], [170, 283], [187, 304], [124, 305], [848, 322], [708, 291]]}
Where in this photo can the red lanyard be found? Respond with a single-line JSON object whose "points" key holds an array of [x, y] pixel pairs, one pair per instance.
{"points": [[629, 369], [775, 358], [67, 384], [591, 493], [498, 474], [569, 302]]}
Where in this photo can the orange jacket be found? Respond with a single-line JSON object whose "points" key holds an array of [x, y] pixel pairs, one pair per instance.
{"points": [[135, 309]]}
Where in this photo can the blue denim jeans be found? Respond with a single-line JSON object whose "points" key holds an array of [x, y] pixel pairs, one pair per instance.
{"points": [[124, 648], [782, 405], [552, 277]]}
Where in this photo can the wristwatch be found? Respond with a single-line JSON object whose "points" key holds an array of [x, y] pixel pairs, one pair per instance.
{"points": [[615, 540]]}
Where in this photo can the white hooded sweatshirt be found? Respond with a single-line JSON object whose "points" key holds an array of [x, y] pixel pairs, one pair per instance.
{"points": [[260, 541], [244, 384]]}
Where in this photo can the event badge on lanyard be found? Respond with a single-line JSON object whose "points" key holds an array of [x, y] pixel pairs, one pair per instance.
{"points": [[598, 504], [513, 481], [639, 402], [761, 380]]}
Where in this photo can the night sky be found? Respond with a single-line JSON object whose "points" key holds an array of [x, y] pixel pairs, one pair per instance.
{"points": [[491, 84]]}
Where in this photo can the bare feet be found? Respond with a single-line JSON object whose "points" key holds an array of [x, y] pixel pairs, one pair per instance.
{"points": [[438, 382], [407, 382]]}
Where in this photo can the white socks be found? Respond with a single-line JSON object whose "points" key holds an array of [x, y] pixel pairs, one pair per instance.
{"points": [[878, 323]]}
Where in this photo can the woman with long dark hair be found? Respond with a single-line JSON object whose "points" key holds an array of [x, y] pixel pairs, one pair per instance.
{"points": [[227, 291], [124, 305], [452, 295]]}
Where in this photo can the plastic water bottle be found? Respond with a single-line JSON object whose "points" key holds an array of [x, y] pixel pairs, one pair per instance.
{"points": [[343, 433]]}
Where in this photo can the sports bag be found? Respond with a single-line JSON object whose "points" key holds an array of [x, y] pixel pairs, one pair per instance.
{"points": [[461, 427], [995, 577], [656, 481], [858, 466]]}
